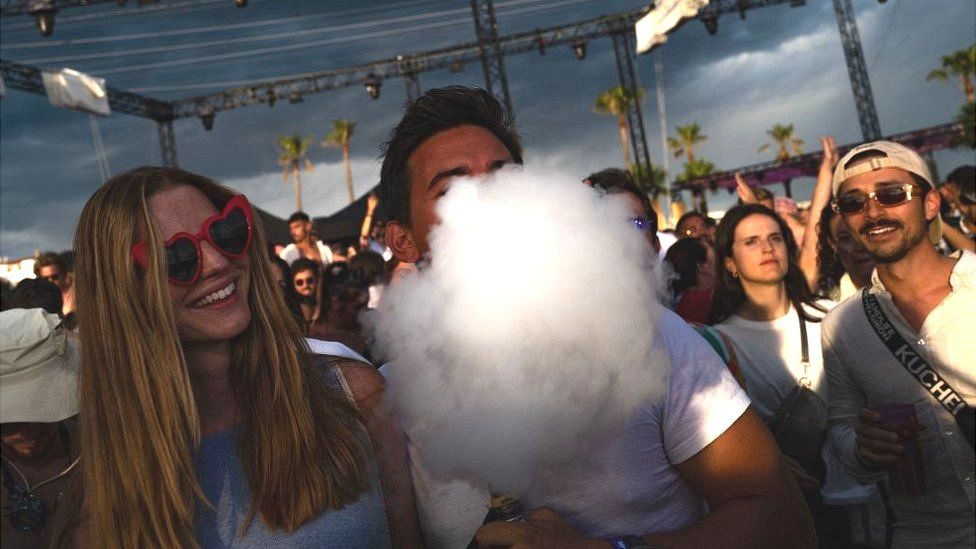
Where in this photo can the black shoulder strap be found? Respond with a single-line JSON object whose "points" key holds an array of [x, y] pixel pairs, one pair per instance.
{"points": [[909, 358], [804, 348]]}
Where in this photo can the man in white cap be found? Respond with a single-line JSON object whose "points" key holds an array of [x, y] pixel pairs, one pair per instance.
{"points": [[38, 366], [906, 339]]}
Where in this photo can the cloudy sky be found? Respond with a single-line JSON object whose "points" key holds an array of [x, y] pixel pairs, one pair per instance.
{"points": [[778, 65]]}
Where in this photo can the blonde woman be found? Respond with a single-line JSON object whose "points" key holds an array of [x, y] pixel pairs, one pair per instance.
{"points": [[207, 423]]}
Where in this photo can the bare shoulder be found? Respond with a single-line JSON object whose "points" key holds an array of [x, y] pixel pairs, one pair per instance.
{"points": [[364, 380]]}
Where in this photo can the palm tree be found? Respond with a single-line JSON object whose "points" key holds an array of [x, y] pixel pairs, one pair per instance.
{"points": [[654, 185], [292, 149], [961, 63], [787, 144], [693, 170], [340, 135], [617, 101], [684, 143]]}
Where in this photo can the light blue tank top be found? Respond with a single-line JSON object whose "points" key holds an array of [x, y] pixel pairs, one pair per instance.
{"points": [[360, 524]]}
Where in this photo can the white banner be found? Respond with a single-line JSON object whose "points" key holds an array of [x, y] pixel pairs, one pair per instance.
{"points": [[652, 29], [71, 89]]}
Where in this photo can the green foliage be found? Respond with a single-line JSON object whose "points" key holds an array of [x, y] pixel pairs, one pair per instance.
{"points": [[292, 147], [787, 144], [961, 64], [696, 168], [342, 130], [292, 150], [615, 101], [653, 185], [684, 143]]}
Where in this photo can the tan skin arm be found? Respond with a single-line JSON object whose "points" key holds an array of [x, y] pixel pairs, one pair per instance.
{"points": [[371, 202], [754, 502], [391, 453], [956, 239], [821, 197]]}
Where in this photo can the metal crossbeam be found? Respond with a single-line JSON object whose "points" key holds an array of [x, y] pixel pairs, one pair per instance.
{"points": [[167, 143], [624, 50], [857, 69], [439, 59], [492, 60], [414, 91], [923, 140], [19, 7], [27, 78]]}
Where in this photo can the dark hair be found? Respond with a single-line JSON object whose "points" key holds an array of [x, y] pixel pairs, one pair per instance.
{"points": [[685, 256], [299, 216], [68, 258], [729, 294], [6, 289], [762, 193], [829, 268], [49, 259], [963, 177], [435, 111], [291, 296], [305, 264], [370, 264], [685, 217], [36, 293], [616, 181]]}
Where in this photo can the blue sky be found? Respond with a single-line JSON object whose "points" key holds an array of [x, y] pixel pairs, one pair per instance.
{"points": [[779, 65]]}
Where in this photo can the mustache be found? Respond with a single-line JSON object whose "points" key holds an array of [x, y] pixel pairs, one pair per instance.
{"points": [[881, 223]]}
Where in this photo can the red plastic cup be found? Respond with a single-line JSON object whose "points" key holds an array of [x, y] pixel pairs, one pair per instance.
{"points": [[906, 475]]}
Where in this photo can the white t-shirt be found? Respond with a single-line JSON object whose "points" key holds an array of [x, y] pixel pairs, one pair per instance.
{"points": [[769, 354], [291, 253], [631, 485]]}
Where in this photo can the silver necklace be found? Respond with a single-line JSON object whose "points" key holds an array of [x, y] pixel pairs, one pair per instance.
{"points": [[24, 509]]}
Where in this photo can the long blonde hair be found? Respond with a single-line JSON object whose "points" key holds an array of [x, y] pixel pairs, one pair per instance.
{"points": [[298, 448]]}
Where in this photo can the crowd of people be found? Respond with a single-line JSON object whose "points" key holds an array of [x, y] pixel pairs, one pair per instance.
{"points": [[179, 381]]}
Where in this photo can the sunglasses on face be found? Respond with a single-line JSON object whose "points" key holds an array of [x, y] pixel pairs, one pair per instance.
{"points": [[301, 282], [52, 278], [641, 224], [856, 202], [229, 232]]}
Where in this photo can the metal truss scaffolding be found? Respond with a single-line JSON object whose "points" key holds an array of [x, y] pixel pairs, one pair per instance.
{"points": [[490, 49], [623, 48], [492, 61], [857, 70]]}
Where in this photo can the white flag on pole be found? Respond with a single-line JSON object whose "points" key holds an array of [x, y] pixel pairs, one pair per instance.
{"points": [[652, 29], [71, 89]]}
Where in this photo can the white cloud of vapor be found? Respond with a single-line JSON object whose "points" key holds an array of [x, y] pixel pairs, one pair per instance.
{"points": [[530, 331]]}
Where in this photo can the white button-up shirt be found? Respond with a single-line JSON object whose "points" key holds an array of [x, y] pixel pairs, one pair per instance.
{"points": [[862, 373]]}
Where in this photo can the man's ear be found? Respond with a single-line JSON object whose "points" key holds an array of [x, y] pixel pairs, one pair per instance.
{"points": [[933, 203], [400, 240]]}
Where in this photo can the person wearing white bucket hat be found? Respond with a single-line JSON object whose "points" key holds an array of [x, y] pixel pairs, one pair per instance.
{"points": [[38, 397]]}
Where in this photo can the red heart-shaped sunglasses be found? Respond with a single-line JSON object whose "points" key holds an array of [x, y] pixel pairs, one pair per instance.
{"points": [[229, 232]]}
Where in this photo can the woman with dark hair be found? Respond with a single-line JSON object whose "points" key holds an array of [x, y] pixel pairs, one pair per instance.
{"points": [[693, 263], [759, 301], [763, 305], [843, 265], [207, 422]]}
